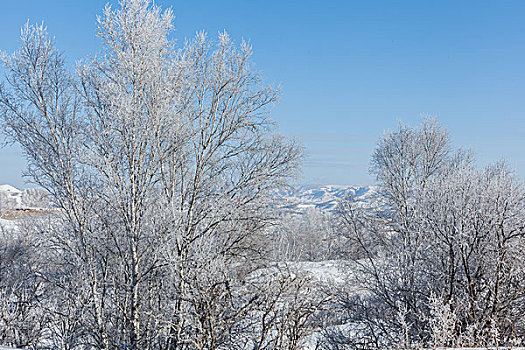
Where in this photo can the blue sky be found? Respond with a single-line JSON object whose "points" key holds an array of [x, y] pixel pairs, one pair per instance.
{"points": [[348, 70]]}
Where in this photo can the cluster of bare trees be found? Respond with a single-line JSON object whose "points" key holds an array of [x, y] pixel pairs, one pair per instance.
{"points": [[309, 236], [441, 262], [21, 319]]}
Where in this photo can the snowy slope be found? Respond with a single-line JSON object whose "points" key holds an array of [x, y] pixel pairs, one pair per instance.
{"points": [[10, 197], [9, 188]]}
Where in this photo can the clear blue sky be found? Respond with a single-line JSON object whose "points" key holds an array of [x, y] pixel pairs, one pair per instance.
{"points": [[348, 69]]}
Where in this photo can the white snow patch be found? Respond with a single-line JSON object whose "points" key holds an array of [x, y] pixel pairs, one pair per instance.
{"points": [[10, 197], [9, 188], [326, 272]]}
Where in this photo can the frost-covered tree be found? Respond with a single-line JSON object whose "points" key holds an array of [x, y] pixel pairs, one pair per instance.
{"points": [[23, 321], [35, 198], [308, 236], [444, 252], [474, 223], [162, 162]]}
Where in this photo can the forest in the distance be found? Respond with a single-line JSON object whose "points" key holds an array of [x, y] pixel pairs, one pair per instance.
{"points": [[165, 216]]}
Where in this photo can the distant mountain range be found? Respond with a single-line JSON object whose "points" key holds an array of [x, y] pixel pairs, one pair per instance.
{"points": [[294, 199], [325, 197]]}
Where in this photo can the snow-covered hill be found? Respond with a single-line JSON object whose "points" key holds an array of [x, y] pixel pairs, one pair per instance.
{"points": [[326, 198], [12, 198]]}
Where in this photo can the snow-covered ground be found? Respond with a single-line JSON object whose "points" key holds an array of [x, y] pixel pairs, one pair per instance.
{"points": [[327, 273]]}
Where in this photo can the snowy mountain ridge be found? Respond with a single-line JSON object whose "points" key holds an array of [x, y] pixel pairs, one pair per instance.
{"points": [[325, 197], [295, 199]]}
